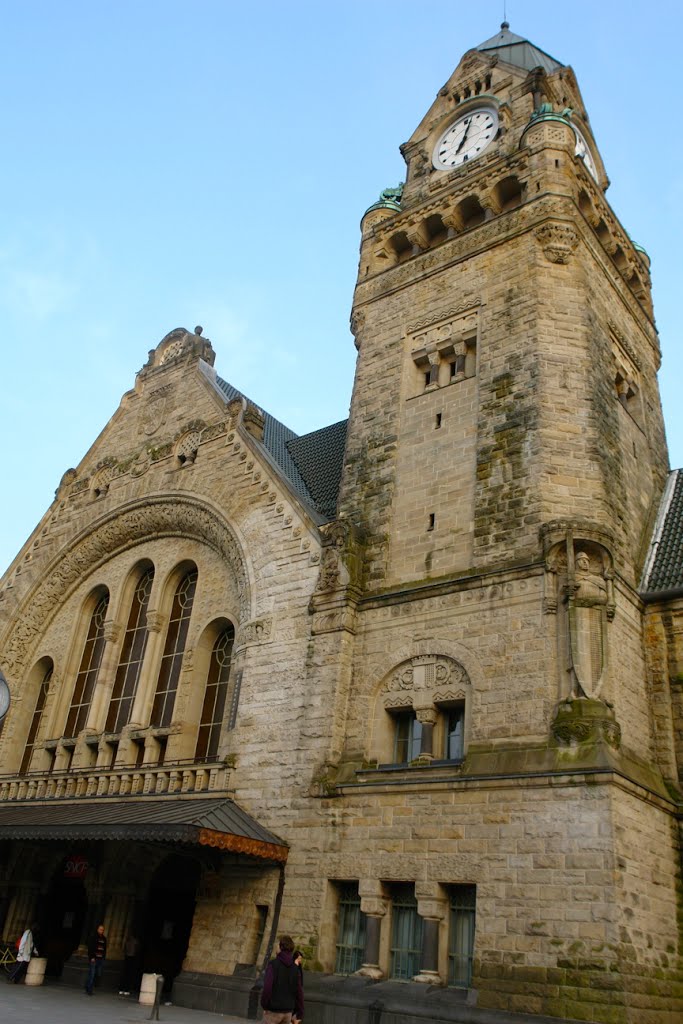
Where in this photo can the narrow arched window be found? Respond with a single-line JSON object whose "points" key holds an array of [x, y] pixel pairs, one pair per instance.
{"points": [[36, 719], [88, 671], [172, 659], [215, 696], [132, 654]]}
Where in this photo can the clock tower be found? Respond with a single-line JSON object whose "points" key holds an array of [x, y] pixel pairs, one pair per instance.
{"points": [[507, 350]]}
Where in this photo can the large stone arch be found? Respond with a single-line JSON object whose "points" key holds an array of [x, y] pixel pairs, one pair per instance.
{"points": [[176, 515], [452, 650]]}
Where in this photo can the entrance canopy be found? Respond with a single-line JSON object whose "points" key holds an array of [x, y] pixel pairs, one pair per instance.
{"points": [[217, 822]]}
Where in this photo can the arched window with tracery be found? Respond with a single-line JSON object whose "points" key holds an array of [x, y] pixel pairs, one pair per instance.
{"points": [[132, 655], [88, 671], [43, 690], [215, 696], [174, 649]]}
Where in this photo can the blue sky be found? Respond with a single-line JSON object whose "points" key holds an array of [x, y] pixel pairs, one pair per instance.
{"points": [[169, 164]]}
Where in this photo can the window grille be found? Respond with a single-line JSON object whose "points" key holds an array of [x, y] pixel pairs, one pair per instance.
{"points": [[461, 941], [132, 655], [88, 671], [406, 933], [350, 931], [174, 649]]}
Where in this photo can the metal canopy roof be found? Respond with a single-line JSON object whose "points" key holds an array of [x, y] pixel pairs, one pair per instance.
{"points": [[217, 822], [513, 49]]}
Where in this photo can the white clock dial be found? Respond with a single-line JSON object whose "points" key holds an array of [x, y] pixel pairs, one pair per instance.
{"points": [[466, 139], [583, 152], [4, 697]]}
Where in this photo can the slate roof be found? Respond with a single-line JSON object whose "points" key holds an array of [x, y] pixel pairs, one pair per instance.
{"points": [[215, 821], [664, 566], [311, 463], [513, 49]]}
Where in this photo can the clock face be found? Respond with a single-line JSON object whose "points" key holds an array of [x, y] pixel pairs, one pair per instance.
{"points": [[4, 697], [583, 152], [466, 139]]}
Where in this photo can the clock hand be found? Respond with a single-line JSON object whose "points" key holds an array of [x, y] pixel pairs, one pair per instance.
{"points": [[462, 141]]}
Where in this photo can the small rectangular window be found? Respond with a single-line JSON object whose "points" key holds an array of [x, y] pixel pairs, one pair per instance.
{"points": [[350, 930], [406, 933], [461, 935], [437, 425], [432, 521]]}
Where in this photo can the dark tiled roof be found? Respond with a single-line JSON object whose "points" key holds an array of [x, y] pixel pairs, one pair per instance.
{"points": [[311, 463], [162, 819], [664, 569], [513, 49], [319, 456]]}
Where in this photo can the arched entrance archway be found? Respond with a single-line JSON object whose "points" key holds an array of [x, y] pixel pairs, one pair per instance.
{"points": [[167, 920], [62, 912]]}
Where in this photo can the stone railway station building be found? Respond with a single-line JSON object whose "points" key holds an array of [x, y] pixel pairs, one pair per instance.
{"points": [[409, 687]]}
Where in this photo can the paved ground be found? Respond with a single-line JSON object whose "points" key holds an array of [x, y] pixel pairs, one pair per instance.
{"points": [[57, 1004]]}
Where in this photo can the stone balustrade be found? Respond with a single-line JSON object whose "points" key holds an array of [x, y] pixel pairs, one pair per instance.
{"points": [[146, 780]]}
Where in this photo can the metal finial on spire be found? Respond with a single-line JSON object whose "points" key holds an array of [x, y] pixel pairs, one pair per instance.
{"points": [[505, 24]]}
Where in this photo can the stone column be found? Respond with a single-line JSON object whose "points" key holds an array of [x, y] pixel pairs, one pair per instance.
{"points": [[106, 676], [426, 716], [142, 705], [460, 358], [431, 906], [373, 905]]}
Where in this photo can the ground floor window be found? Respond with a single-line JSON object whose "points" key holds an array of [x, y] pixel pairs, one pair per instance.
{"points": [[461, 935], [350, 930], [406, 933]]}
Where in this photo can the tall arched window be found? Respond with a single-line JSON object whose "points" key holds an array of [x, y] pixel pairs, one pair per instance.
{"points": [[88, 671], [215, 696], [176, 638], [132, 654], [37, 716]]}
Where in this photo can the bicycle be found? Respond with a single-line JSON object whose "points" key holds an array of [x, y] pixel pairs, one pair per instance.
{"points": [[8, 957]]}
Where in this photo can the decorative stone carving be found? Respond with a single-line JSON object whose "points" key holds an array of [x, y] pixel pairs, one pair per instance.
{"points": [[255, 632], [583, 720], [424, 681], [65, 483], [153, 412], [558, 241], [579, 581]]}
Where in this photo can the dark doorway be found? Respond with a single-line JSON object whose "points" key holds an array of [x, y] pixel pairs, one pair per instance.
{"points": [[61, 915], [168, 917]]}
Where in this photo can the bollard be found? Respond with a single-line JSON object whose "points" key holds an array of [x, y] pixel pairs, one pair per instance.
{"points": [[154, 1015], [375, 1012]]}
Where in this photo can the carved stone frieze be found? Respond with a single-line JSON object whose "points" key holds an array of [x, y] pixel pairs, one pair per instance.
{"points": [[424, 680], [177, 516]]}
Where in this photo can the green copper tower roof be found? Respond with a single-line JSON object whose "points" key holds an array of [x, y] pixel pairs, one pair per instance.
{"points": [[520, 52]]}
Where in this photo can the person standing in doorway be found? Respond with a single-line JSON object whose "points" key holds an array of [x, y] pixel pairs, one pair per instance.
{"points": [[97, 953], [282, 998], [129, 975], [24, 953]]}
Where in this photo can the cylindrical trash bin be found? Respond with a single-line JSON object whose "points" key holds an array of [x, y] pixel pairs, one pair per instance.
{"points": [[35, 975], [148, 989]]}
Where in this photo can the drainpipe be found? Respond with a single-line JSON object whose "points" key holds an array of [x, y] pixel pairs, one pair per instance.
{"points": [[255, 990]]}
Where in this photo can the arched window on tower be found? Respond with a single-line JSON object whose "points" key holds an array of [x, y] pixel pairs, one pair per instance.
{"points": [[215, 696], [86, 679], [132, 655], [46, 674], [174, 649]]}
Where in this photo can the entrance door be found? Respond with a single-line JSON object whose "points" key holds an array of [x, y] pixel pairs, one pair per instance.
{"points": [[168, 917], [62, 915]]}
